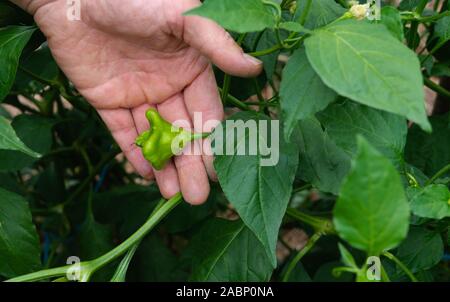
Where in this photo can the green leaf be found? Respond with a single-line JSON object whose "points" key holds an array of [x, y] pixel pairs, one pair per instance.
{"points": [[11, 14], [430, 152], [258, 186], [228, 251], [433, 201], [10, 141], [19, 242], [155, 262], [12, 41], [299, 274], [42, 65], [322, 162], [35, 131], [370, 194], [267, 39], [442, 29], [237, 15], [421, 250], [325, 273], [365, 63], [294, 26], [385, 131], [320, 13], [95, 239], [390, 17], [347, 257], [409, 4], [302, 92]]}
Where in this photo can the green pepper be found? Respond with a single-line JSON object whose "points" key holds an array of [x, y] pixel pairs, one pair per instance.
{"points": [[158, 144]]}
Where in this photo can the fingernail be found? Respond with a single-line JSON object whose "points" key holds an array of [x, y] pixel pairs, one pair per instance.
{"points": [[252, 60]]}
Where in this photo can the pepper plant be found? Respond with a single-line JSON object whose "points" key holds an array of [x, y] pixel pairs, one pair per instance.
{"points": [[363, 171]]}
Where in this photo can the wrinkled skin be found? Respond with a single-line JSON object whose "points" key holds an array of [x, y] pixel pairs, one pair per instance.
{"points": [[125, 56]]}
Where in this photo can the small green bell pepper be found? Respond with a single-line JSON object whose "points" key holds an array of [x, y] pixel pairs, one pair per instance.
{"points": [[158, 144]]}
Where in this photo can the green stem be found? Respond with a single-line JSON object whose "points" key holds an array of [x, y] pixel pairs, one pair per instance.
{"points": [[305, 13], [401, 265], [311, 242], [320, 224], [426, 19], [121, 271], [91, 176], [437, 88], [265, 52], [91, 267], [384, 275], [139, 234], [415, 25], [227, 77], [42, 275], [302, 188], [438, 175], [234, 101]]}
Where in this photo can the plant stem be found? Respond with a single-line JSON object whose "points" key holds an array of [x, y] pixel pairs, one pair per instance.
{"points": [[265, 52], [401, 265], [320, 224], [42, 275], [438, 175], [427, 19], [415, 24], [154, 219], [234, 101], [311, 242], [91, 176], [162, 210], [437, 88], [305, 13], [121, 271], [302, 188]]}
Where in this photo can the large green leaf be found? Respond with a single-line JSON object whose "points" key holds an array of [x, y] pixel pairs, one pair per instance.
{"points": [[320, 13], [10, 141], [237, 15], [226, 251], [322, 162], [19, 242], [372, 212], [430, 152], [365, 63], [12, 41], [421, 250], [302, 92], [433, 201], [259, 187], [385, 131]]}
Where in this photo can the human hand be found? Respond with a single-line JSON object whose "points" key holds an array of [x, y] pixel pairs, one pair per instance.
{"points": [[125, 56]]}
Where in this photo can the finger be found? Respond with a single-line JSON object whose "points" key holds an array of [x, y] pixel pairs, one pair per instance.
{"points": [[191, 171], [202, 100], [121, 124], [217, 45], [167, 178]]}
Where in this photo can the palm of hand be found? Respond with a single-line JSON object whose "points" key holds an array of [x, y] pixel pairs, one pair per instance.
{"points": [[125, 56]]}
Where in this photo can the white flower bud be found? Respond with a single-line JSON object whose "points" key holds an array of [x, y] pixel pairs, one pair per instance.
{"points": [[360, 11]]}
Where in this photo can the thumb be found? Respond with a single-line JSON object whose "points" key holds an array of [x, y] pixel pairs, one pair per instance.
{"points": [[218, 46]]}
